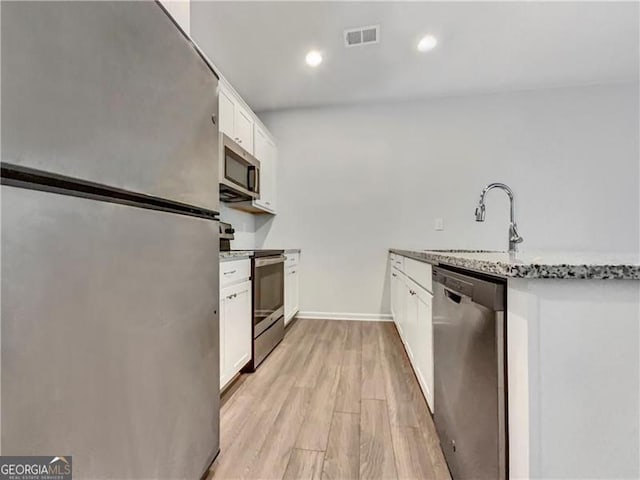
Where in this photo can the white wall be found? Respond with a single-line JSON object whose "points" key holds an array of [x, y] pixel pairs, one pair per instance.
{"points": [[356, 180], [244, 225]]}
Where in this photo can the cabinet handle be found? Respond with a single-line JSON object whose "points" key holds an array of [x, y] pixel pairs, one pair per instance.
{"points": [[229, 272], [394, 275], [292, 272]]}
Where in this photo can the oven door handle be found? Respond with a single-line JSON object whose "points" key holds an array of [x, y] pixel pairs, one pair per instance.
{"points": [[261, 262]]}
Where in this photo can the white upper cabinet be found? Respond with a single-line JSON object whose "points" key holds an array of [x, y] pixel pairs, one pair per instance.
{"points": [[226, 110], [235, 120], [243, 128], [265, 152]]}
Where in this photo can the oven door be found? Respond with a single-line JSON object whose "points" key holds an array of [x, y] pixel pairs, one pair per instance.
{"points": [[268, 292]]}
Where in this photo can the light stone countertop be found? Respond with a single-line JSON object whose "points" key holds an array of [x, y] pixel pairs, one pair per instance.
{"points": [[235, 255], [558, 265]]}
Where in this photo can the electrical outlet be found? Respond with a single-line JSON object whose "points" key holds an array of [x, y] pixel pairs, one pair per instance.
{"points": [[439, 224]]}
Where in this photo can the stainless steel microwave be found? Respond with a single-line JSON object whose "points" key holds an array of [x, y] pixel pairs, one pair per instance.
{"points": [[239, 172]]}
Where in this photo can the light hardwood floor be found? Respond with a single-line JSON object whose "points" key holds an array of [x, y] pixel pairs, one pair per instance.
{"points": [[335, 400]]}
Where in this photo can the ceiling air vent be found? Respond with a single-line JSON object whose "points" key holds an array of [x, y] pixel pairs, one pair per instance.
{"points": [[354, 37]]}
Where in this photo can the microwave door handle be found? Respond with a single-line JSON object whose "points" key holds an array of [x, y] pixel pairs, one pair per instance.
{"points": [[256, 180], [251, 178]]}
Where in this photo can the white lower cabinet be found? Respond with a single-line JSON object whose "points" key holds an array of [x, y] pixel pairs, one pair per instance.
{"points": [[235, 328], [423, 346], [411, 308], [291, 287]]}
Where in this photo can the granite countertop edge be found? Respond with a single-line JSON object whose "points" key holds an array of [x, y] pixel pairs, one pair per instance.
{"points": [[526, 270], [235, 255]]}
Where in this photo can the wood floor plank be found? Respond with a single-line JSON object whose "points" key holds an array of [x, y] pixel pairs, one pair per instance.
{"points": [[349, 387], [377, 460], [372, 382], [318, 352], [411, 461], [314, 432], [335, 336], [273, 457], [342, 458], [398, 379], [304, 465], [354, 336]]}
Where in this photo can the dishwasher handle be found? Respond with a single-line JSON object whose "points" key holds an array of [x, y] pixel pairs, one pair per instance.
{"points": [[482, 290], [454, 297]]}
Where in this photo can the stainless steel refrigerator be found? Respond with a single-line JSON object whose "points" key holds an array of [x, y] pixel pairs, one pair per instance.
{"points": [[109, 327]]}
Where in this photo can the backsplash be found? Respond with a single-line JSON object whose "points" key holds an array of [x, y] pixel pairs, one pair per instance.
{"points": [[244, 225]]}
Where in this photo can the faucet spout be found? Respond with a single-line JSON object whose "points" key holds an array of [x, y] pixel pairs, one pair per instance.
{"points": [[514, 236]]}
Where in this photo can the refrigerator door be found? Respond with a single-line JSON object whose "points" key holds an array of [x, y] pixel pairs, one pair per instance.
{"points": [[112, 93], [109, 336]]}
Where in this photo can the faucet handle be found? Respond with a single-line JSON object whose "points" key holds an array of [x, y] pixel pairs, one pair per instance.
{"points": [[514, 236], [480, 211]]}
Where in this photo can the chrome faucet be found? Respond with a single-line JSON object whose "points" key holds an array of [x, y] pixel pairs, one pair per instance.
{"points": [[514, 236]]}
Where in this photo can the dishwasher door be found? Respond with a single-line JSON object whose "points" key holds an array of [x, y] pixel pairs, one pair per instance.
{"points": [[469, 370]]}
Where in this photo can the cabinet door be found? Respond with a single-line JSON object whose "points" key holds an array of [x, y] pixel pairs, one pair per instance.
{"points": [[273, 170], [291, 300], [226, 113], [265, 152], [243, 128], [393, 295], [224, 375], [238, 333], [409, 316], [423, 344], [295, 288], [288, 303], [261, 146], [401, 294]]}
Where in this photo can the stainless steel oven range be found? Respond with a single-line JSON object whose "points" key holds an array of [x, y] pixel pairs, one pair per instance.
{"points": [[268, 303]]}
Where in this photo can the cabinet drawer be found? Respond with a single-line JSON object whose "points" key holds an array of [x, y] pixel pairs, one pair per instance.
{"points": [[292, 259], [420, 272], [234, 271], [397, 261]]}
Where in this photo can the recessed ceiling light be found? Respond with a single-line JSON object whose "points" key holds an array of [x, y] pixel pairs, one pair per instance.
{"points": [[426, 43], [313, 58]]}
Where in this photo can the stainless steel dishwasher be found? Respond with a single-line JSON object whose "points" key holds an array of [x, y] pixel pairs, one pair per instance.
{"points": [[469, 367]]}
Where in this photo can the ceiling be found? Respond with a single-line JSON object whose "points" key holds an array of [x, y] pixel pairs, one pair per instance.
{"points": [[483, 47]]}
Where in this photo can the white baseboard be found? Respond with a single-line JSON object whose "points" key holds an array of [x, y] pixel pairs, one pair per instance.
{"points": [[364, 317]]}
